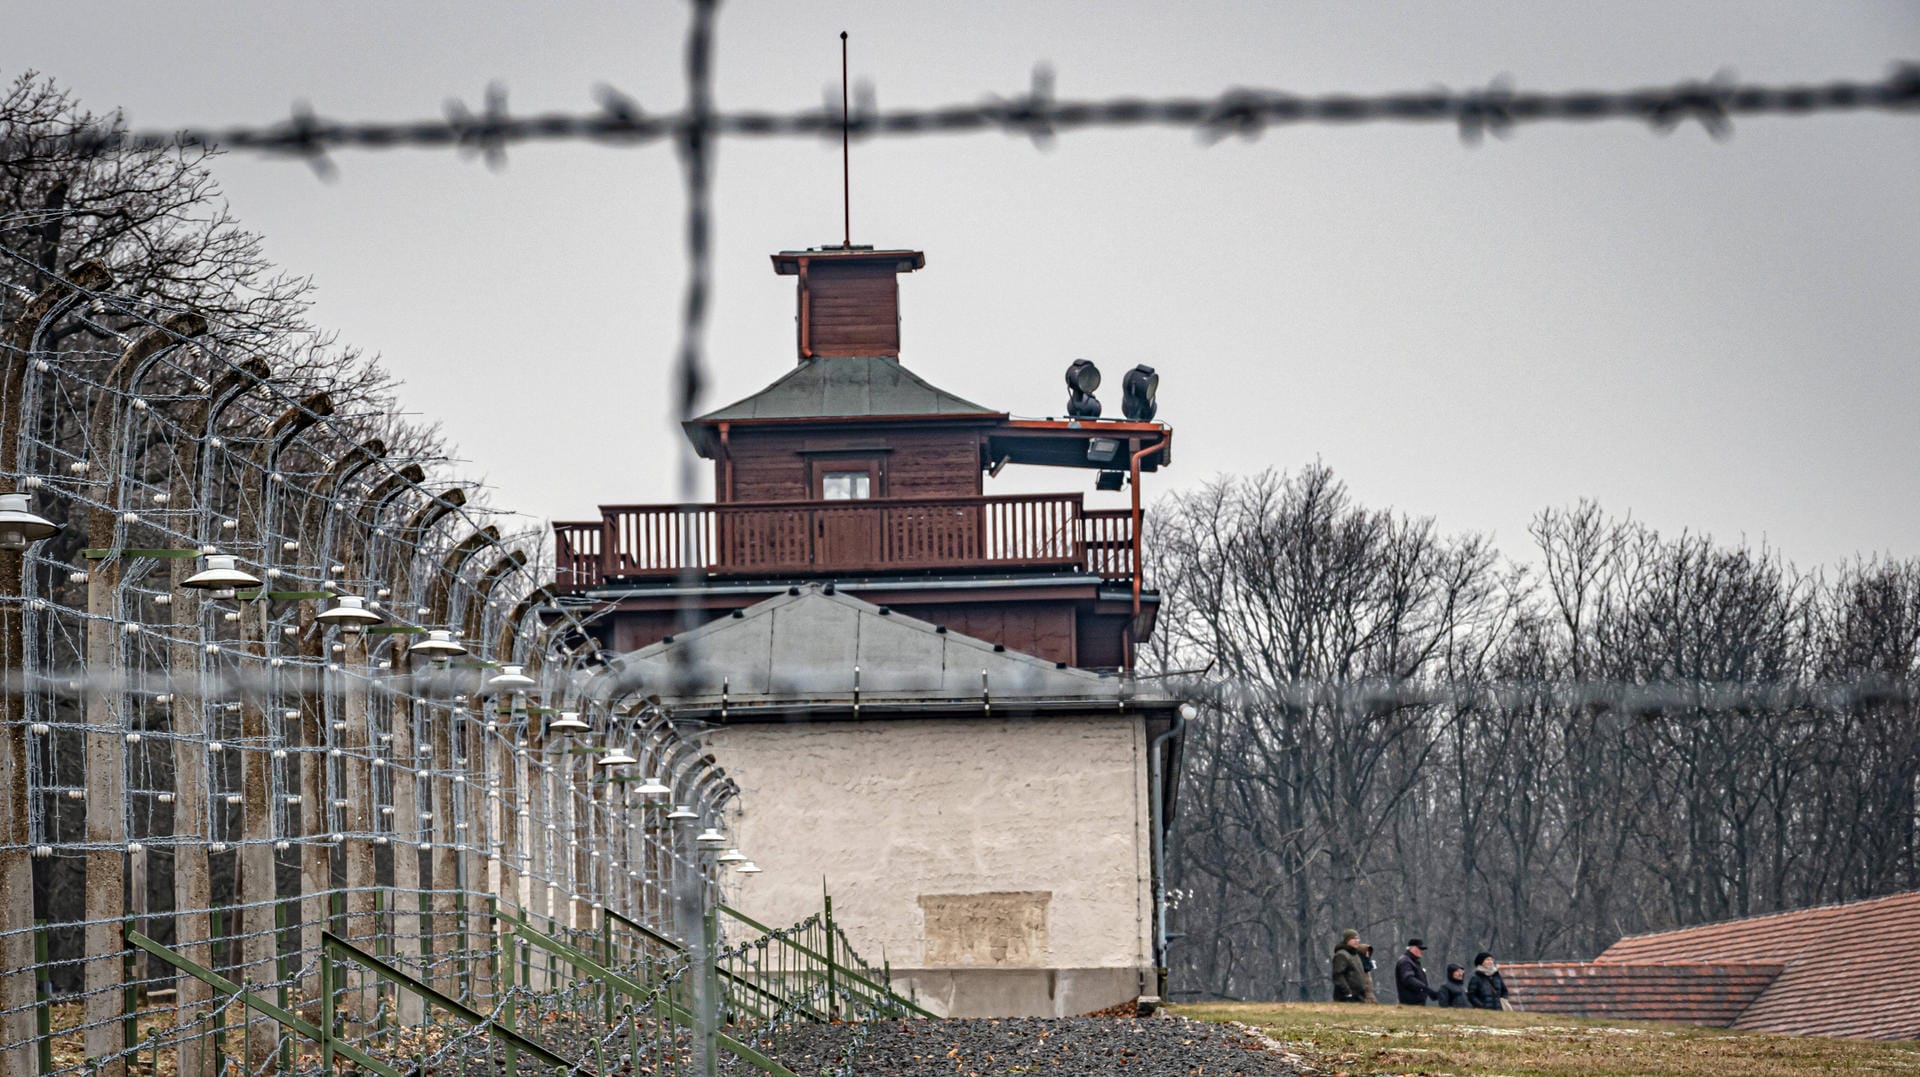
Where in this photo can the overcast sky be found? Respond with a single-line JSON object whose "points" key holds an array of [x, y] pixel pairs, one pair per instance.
{"points": [[1709, 335]]}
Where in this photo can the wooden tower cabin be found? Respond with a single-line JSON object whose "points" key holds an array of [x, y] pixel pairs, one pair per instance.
{"points": [[923, 691]]}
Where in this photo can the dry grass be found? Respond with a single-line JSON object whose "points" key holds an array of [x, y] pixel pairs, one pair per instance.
{"points": [[1368, 1040]]}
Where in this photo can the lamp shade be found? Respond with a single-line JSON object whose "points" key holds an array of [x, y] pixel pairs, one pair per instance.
{"points": [[748, 868], [710, 838], [731, 857], [653, 788], [219, 575], [509, 679], [348, 612], [681, 811], [617, 757], [568, 722], [18, 524], [438, 644]]}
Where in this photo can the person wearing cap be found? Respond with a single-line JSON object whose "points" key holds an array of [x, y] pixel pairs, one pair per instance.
{"points": [[1349, 969], [1487, 990], [1410, 976], [1453, 992]]}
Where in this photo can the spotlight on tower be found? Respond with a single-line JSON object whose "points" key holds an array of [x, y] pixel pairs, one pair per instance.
{"points": [[1082, 379], [1137, 390]]}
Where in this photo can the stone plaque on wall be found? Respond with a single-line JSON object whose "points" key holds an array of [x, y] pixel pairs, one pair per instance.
{"points": [[1005, 928]]}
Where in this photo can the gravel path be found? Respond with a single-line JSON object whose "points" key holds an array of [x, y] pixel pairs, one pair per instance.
{"points": [[1160, 1047]]}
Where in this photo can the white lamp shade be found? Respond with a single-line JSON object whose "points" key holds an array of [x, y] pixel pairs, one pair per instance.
{"points": [[710, 838], [568, 722], [731, 857], [18, 524], [748, 868], [350, 612], [617, 757], [681, 811], [438, 644], [653, 788], [219, 573], [509, 679]]}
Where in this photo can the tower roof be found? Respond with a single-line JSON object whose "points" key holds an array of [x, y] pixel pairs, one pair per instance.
{"points": [[843, 388]]}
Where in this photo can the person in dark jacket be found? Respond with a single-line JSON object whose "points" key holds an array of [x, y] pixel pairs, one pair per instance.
{"points": [[1453, 993], [1487, 991], [1410, 976], [1350, 980]]}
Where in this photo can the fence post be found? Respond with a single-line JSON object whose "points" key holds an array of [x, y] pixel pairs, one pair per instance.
{"points": [[831, 959], [20, 976]]}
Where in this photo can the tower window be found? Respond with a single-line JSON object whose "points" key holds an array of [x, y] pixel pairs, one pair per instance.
{"points": [[846, 485]]}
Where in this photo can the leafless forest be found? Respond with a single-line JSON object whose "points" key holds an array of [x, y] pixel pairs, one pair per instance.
{"points": [[1408, 733]]}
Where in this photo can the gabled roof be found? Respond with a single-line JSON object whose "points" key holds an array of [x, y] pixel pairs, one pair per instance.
{"points": [[812, 650], [1697, 994], [847, 387], [1836, 957]]}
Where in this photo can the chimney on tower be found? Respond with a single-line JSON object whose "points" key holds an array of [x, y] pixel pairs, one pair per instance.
{"points": [[849, 299]]}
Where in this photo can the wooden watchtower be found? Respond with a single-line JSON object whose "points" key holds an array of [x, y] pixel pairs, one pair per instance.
{"points": [[852, 469]]}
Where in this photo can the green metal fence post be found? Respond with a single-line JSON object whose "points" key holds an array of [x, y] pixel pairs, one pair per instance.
{"points": [[326, 1012], [507, 1007], [828, 916], [129, 998]]}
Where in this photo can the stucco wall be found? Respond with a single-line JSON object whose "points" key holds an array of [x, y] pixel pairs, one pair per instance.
{"points": [[1010, 855]]}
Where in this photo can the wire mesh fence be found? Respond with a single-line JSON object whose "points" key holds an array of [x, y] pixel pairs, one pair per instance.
{"points": [[273, 692]]}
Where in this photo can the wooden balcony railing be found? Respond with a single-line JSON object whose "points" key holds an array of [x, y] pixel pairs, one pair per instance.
{"points": [[1032, 531]]}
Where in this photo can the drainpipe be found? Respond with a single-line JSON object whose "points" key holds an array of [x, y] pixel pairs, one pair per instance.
{"points": [[1133, 464], [726, 462], [1155, 807]]}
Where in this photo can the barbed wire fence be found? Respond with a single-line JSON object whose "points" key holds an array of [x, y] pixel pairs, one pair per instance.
{"points": [[231, 775], [360, 727]]}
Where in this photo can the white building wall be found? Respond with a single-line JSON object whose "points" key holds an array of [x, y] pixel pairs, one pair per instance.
{"points": [[1001, 865]]}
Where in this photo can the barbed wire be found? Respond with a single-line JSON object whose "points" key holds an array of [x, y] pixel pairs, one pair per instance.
{"points": [[1037, 113]]}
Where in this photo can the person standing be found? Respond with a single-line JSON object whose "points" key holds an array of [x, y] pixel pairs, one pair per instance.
{"points": [[1410, 976], [1453, 992], [1350, 980], [1487, 990]]}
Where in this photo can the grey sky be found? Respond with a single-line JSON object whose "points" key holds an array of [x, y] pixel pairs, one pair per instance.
{"points": [[1709, 335]]}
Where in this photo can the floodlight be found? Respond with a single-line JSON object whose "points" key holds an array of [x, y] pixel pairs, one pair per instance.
{"points": [[1110, 480], [1082, 379], [1138, 389], [1102, 450]]}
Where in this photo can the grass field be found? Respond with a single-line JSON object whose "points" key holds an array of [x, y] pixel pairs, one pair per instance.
{"points": [[1367, 1040]]}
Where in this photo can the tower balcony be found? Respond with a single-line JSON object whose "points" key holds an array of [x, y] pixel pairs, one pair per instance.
{"points": [[785, 539]]}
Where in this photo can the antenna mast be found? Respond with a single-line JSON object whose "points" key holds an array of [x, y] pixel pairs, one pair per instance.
{"points": [[846, 158]]}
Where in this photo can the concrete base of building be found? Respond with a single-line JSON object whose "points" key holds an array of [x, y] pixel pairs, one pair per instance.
{"points": [[978, 992]]}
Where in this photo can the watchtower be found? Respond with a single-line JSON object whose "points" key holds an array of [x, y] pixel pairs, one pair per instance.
{"points": [[851, 468]]}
